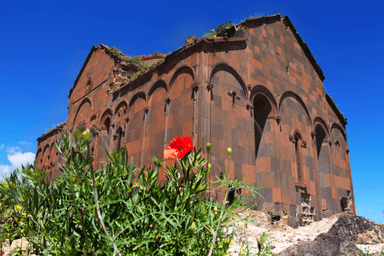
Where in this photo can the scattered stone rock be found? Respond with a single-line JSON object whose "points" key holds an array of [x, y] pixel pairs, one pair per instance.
{"points": [[321, 235], [323, 245], [358, 230], [17, 245]]}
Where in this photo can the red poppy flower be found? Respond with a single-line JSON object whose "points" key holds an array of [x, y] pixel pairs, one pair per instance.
{"points": [[178, 147]]}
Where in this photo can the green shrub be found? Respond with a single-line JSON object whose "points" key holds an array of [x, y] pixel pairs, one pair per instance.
{"points": [[218, 29], [118, 209]]}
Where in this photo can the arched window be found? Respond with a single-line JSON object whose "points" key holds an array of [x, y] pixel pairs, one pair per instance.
{"points": [[107, 124], [119, 136], [262, 109], [297, 141]]}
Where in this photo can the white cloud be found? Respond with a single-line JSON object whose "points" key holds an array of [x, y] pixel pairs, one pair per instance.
{"points": [[1, 146], [25, 143], [12, 150], [16, 158]]}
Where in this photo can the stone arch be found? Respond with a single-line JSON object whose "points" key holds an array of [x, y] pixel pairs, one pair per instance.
{"points": [[86, 107], [119, 134], [52, 154], [38, 158], [260, 89], [181, 108], [223, 66], [339, 144], [322, 137], [340, 163], [298, 141], [137, 97], [121, 112], [324, 164], [338, 127], [321, 134], [51, 159], [288, 94], [45, 156], [160, 83], [182, 69], [229, 117], [155, 126], [94, 143], [106, 120], [123, 105], [105, 134], [264, 138], [320, 120], [296, 124], [135, 135], [262, 110]]}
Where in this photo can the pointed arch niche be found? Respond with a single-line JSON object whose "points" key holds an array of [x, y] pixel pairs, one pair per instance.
{"points": [[228, 119], [181, 107], [324, 167], [104, 136], [83, 114], [137, 116], [264, 150], [262, 110], [298, 142], [155, 130]]}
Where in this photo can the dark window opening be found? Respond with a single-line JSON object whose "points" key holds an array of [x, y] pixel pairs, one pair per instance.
{"points": [[298, 157]]}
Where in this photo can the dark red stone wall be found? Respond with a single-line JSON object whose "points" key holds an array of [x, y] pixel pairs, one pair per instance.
{"points": [[259, 92]]}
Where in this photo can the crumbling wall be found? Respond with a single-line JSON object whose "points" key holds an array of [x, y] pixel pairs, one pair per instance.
{"points": [[307, 211], [346, 203]]}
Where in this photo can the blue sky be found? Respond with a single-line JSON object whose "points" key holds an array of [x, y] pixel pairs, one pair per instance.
{"points": [[45, 43]]}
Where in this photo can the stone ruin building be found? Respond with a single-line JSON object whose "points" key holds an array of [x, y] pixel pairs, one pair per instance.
{"points": [[255, 87]]}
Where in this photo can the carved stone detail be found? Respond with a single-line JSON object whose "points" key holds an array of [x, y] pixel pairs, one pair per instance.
{"points": [[195, 86], [89, 85], [120, 75], [191, 40]]}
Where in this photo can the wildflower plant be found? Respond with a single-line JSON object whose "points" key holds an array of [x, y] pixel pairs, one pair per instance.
{"points": [[119, 209]]}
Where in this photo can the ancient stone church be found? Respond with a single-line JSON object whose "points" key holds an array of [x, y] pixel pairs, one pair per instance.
{"points": [[254, 87]]}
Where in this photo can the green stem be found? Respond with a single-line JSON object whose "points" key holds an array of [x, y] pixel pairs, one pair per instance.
{"points": [[78, 213], [98, 209], [222, 212]]}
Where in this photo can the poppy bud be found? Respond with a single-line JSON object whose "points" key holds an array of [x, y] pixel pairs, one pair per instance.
{"points": [[229, 151], [86, 134], [208, 147], [209, 166]]}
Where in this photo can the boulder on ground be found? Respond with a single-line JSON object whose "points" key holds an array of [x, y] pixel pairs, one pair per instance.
{"points": [[323, 245], [358, 230]]}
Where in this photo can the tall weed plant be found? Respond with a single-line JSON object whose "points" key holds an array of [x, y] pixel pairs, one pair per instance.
{"points": [[118, 209]]}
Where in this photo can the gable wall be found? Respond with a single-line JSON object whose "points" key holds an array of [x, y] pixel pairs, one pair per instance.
{"points": [[99, 70]]}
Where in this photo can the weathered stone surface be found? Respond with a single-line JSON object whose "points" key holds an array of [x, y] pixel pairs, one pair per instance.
{"points": [[341, 238], [324, 245], [358, 230]]}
